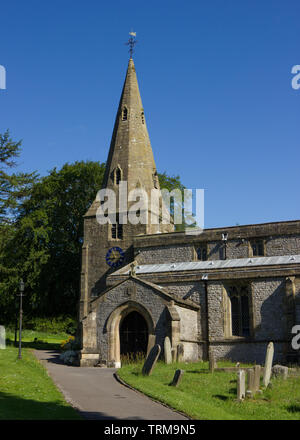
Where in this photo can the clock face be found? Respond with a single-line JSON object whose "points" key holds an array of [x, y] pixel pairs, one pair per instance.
{"points": [[115, 257]]}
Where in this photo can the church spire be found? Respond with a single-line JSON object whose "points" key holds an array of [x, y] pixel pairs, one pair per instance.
{"points": [[130, 149], [130, 156]]}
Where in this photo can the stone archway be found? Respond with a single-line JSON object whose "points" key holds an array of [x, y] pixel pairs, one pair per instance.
{"points": [[114, 322]]}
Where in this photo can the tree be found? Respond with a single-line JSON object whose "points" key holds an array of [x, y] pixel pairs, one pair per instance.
{"points": [[50, 234], [14, 189]]}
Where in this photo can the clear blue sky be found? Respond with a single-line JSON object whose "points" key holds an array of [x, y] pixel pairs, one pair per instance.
{"points": [[215, 79]]}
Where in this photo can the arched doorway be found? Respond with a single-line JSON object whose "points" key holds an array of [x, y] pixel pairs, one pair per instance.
{"points": [[133, 335], [114, 324]]}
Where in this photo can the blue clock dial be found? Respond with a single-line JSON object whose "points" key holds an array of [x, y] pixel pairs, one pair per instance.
{"points": [[115, 256]]}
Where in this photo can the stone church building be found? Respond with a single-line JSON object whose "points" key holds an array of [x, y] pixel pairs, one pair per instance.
{"points": [[227, 291]]}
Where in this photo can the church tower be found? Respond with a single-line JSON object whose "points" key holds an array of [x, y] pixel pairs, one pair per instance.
{"points": [[107, 247]]}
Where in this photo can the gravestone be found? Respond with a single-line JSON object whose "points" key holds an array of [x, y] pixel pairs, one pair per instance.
{"points": [[250, 381], [268, 364], [257, 372], [151, 343], [174, 354], [180, 352], [280, 371], [151, 360], [167, 350], [212, 362], [2, 337], [177, 378], [241, 389]]}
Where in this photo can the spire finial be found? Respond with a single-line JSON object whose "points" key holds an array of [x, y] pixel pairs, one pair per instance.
{"points": [[131, 42]]}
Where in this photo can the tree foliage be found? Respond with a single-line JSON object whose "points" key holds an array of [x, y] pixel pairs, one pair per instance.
{"points": [[14, 189]]}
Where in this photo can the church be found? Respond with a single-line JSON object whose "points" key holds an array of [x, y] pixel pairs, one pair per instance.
{"points": [[226, 292]]}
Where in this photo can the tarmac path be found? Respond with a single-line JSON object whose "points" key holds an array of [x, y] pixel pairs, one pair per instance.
{"points": [[97, 395]]}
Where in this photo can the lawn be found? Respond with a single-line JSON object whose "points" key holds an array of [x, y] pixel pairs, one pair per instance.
{"points": [[44, 340], [212, 396], [26, 390]]}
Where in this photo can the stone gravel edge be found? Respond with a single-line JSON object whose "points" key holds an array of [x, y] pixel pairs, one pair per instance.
{"points": [[117, 377]]}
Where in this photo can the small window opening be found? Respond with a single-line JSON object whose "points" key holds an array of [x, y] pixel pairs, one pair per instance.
{"points": [[117, 229], [202, 253], [118, 176], [124, 114]]}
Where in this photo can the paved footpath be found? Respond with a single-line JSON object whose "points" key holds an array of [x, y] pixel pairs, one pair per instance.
{"points": [[98, 395]]}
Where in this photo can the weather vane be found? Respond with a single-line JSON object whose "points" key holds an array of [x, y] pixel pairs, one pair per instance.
{"points": [[131, 42]]}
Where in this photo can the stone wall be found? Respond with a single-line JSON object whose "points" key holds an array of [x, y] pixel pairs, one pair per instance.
{"points": [[235, 248], [215, 310], [283, 245], [254, 352], [269, 309], [194, 291], [165, 254]]}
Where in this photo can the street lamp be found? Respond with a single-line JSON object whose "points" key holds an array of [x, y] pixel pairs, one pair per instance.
{"points": [[21, 287]]}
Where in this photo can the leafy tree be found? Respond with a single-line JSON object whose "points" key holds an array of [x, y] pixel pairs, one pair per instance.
{"points": [[14, 189], [50, 234]]}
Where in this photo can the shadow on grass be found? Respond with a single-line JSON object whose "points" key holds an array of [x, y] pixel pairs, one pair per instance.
{"points": [[199, 371], [293, 408], [13, 407], [37, 345], [221, 397], [232, 391]]}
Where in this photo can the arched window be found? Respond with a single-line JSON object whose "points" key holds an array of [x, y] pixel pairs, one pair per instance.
{"points": [[143, 118], [118, 176], [240, 316], [124, 114], [117, 229], [202, 252], [155, 179]]}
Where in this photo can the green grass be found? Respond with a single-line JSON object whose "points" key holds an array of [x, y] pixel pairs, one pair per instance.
{"points": [[44, 340], [26, 390], [212, 396]]}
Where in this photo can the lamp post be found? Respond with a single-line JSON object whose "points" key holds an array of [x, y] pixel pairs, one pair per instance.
{"points": [[21, 287], [224, 239]]}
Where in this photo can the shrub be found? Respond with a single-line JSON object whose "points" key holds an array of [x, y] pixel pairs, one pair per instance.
{"points": [[70, 344], [60, 324]]}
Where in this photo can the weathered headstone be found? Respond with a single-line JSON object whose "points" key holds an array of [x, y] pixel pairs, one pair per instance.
{"points": [[2, 337], [212, 362], [257, 372], [280, 371], [151, 343], [180, 352], [241, 389], [167, 350], [268, 364], [177, 378], [151, 360], [250, 381], [174, 354]]}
